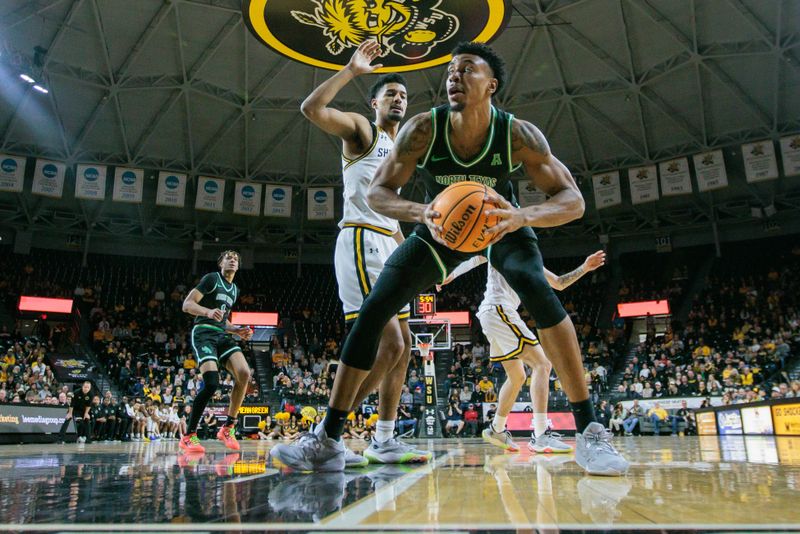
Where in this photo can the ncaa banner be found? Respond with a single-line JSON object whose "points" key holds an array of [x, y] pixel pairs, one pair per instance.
{"points": [[247, 199], [675, 177], [320, 203], [128, 185], [48, 178], [210, 194], [12, 173], [529, 195], [644, 184], [607, 191], [171, 189], [710, 170], [90, 182], [278, 201], [759, 161], [790, 154], [413, 34]]}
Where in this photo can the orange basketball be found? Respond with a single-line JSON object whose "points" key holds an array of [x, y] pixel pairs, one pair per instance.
{"points": [[463, 216]]}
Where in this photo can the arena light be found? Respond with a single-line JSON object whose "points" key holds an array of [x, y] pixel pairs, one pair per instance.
{"points": [[42, 304], [255, 318], [456, 318], [27, 78], [643, 308], [40, 89]]}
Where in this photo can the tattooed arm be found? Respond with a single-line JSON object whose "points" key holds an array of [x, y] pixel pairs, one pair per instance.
{"points": [[411, 145], [592, 262], [549, 175]]}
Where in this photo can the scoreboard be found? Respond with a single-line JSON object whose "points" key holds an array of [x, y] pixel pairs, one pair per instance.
{"points": [[425, 304]]}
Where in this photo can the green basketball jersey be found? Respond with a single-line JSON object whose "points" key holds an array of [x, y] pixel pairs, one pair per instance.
{"points": [[491, 167], [217, 293]]}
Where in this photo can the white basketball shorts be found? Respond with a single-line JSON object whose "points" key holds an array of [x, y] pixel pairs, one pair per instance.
{"points": [[361, 251], [506, 332]]}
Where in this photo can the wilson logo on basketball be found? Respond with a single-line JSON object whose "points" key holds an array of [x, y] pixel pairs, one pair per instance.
{"points": [[414, 34], [456, 227]]}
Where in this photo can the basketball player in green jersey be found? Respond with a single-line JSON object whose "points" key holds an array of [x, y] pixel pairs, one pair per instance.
{"points": [[468, 139], [366, 239], [213, 345]]}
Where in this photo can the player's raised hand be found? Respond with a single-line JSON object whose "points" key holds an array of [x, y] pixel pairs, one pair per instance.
{"points": [[216, 315], [435, 228], [365, 54], [511, 217], [595, 261]]}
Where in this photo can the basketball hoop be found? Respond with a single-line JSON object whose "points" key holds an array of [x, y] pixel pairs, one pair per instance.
{"points": [[425, 351]]}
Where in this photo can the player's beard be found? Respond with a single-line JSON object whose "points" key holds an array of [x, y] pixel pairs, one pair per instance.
{"points": [[395, 116]]}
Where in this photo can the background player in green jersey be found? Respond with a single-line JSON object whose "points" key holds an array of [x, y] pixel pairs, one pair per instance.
{"points": [[213, 345]]}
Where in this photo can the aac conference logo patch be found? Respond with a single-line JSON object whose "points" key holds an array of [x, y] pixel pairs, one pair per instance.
{"points": [[9, 165], [414, 34]]}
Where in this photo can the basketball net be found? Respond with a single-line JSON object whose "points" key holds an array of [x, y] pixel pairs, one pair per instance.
{"points": [[425, 351]]}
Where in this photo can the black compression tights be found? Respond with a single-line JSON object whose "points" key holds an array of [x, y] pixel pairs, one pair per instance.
{"points": [[411, 269]]}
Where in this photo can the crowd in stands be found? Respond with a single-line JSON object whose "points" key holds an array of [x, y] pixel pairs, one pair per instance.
{"points": [[25, 375], [742, 328]]}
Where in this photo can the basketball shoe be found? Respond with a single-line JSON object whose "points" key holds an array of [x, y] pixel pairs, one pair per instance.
{"points": [[595, 453], [500, 439], [190, 443], [227, 435], [353, 459], [394, 451], [549, 443], [313, 451]]}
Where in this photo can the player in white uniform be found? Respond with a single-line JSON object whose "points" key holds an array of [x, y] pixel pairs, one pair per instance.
{"points": [[367, 239], [512, 343]]}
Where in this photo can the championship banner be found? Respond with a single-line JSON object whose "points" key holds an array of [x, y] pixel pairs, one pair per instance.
{"points": [[210, 194], [90, 182], [675, 177], [12, 173], [413, 34], [710, 170], [790, 154], [644, 184], [128, 185], [171, 189], [70, 368], [48, 178], [607, 191], [26, 419], [320, 203], [529, 195], [759, 161], [247, 199], [278, 201]]}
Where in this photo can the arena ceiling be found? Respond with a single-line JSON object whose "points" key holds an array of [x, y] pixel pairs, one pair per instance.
{"points": [[182, 85]]}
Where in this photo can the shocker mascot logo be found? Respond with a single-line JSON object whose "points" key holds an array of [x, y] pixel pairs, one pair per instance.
{"points": [[414, 34]]}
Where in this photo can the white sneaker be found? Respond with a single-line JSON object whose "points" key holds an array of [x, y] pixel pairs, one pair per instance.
{"points": [[500, 439], [595, 454], [394, 451], [352, 459], [549, 443], [311, 452]]}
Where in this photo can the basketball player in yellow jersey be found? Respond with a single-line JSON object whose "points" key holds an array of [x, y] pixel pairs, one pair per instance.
{"points": [[512, 344], [367, 239]]}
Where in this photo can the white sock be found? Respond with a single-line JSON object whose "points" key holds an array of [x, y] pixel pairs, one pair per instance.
{"points": [[384, 431], [539, 424], [499, 423]]}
